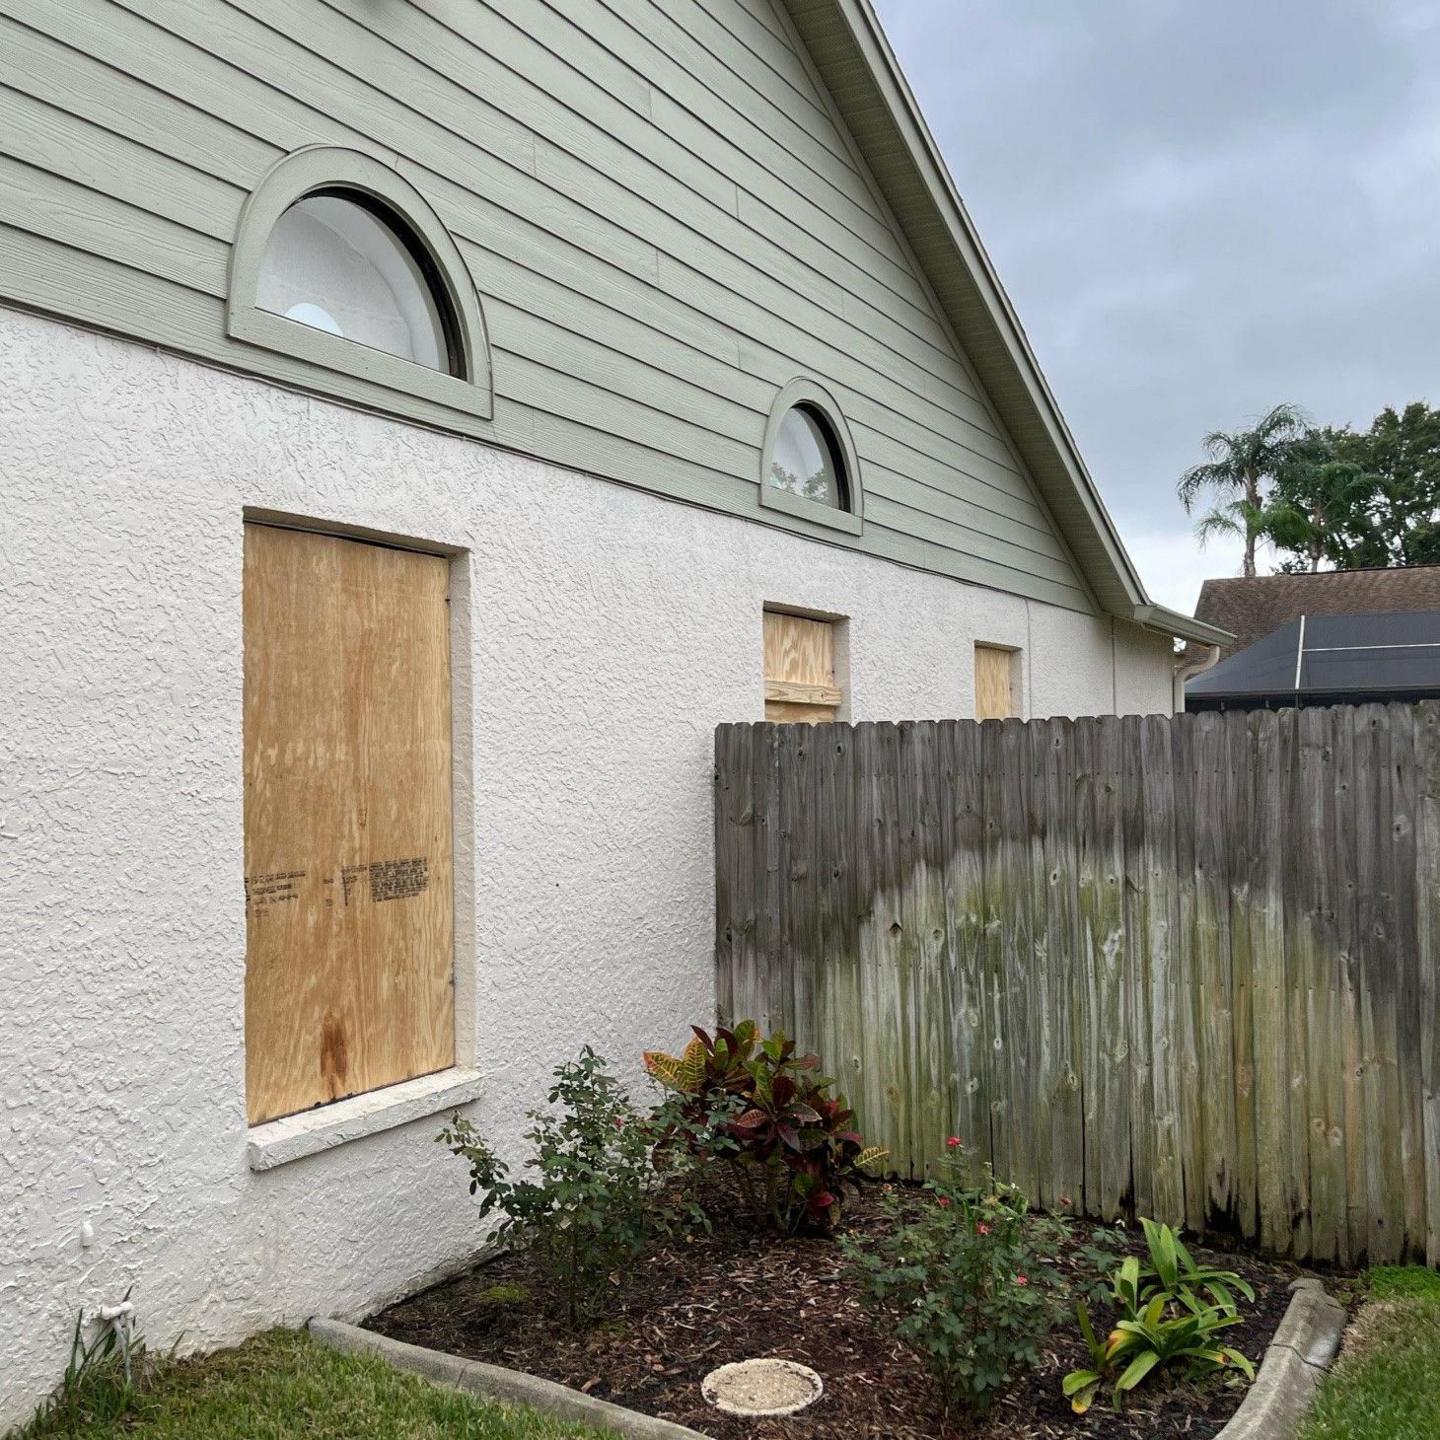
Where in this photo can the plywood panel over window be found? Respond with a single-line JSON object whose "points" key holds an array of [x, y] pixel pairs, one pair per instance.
{"points": [[348, 888], [996, 692], [800, 685]]}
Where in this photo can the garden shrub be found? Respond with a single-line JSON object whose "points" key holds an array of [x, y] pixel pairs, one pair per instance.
{"points": [[1171, 1313], [598, 1200], [772, 1117], [966, 1281]]}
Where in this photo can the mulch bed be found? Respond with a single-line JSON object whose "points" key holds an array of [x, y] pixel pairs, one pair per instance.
{"points": [[729, 1295]]}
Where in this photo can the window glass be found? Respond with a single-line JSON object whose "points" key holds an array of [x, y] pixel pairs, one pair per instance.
{"points": [[806, 459], [336, 265]]}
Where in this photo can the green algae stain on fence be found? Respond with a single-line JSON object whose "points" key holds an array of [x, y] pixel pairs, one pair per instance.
{"points": [[1182, 966]]}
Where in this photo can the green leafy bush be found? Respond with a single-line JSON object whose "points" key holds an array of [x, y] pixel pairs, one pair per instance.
{"points": [[598, 1200], [771, 1116], [705, 1092], [966, 1282], [1171, 1313]]}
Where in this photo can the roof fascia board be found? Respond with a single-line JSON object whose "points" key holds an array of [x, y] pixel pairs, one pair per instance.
{"points": [[1184, 627]]}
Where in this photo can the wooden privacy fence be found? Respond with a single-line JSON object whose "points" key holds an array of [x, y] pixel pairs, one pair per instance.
{"points": [[1184, 967]]}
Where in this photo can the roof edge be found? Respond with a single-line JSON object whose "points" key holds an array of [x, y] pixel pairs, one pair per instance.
{"points": [[1290, 575], [1183, 627]]}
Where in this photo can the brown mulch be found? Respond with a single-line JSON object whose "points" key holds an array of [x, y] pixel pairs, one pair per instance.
{"points": [[700, 1302]]}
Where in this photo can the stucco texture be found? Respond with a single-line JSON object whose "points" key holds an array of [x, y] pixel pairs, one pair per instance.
{"points": [[601, 634]]}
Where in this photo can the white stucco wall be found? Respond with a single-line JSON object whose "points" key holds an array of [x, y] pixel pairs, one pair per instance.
{"points": [[609, 632]]}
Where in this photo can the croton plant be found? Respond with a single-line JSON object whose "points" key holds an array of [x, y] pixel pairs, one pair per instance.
{"points": [[770, 1114]]}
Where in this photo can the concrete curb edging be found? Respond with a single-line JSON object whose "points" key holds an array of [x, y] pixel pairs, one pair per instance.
{"points": [[1301, 1351], [1297, 1358], [494, 1382]]}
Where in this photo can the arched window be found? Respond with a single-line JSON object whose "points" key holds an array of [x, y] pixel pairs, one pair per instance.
{"points": [[810, 468], [807, 459], [349, 268], [341, 262]]}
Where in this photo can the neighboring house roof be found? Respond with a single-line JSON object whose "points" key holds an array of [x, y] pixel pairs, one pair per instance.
{"points": [[854, 58], [1253, 606], [1329, 659]]}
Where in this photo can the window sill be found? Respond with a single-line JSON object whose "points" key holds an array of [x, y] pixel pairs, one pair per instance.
{"points": [[278, 1142], [347, 357], [811, 510]]}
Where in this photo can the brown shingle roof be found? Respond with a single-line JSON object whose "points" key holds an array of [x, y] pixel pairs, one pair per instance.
{"points": [[1251, 607]]}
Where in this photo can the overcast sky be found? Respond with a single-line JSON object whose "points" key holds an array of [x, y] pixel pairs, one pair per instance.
{"points": [[1199, 210]]}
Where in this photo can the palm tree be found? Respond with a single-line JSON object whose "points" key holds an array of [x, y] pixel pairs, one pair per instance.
{"points": [[1233, 519], [1239, 464]]}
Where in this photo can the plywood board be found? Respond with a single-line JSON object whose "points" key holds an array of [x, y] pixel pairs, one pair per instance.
{"points": [[995, 683], [800, 683], [348, 862]]}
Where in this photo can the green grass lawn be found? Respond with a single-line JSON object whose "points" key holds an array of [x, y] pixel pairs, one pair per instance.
{"points": [[283, 1386], [1386, 1385]]}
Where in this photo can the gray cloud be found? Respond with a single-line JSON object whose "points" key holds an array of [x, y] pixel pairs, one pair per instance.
{"points": [[1199, 211]]}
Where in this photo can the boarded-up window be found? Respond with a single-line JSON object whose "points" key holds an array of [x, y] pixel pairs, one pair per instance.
{"points": [[348, 962], [800, 683], [996, 693]]}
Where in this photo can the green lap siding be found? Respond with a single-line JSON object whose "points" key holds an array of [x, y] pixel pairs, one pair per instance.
{"points": [[659, 204]]}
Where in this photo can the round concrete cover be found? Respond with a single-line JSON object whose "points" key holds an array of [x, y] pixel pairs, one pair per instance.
{"points": [[762, 1387]]}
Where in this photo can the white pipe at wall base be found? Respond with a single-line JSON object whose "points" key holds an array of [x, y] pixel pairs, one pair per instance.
{"points": [[121, 1319], [1184, 673]]}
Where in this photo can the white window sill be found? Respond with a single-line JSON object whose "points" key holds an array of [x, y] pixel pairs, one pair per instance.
{"points": [[278, 1142]]}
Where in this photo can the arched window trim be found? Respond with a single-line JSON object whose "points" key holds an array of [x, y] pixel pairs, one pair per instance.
{"points": [[816, 398], [325, 168]]}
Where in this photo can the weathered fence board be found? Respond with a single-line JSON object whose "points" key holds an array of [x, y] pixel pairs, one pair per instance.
{"points": [[1427, 868], [1181, 966]]}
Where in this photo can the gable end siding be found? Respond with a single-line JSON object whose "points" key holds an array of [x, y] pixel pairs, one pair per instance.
{"points": [[662, 214]]}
